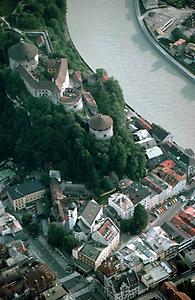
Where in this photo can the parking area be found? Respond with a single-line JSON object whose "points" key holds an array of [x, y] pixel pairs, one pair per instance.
{"points": [[167, 211], [166, 206]]}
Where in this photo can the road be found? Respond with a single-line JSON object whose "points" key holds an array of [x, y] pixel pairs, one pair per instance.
{"points": [[151, 295], [191, 276], [42, 251]]}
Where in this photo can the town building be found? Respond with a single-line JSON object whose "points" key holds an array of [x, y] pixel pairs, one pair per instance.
{"points": [[160, 134], [190, 50], [182, 158], [23, 195], [177, 49], [150, 4], [23, 54], [101, 126], [107, 234], [141, 134], [159, 187], [144, 139], [153, 152], [21, 276], [139, 194], [72, 215], [56, 292], [158, 22], [159, 241], [90, 216], [80, 287], [121, 286], [8, 223], [122, 205], [190, 258], [186, 221], [3, 251], [178, 235], [55, 174], [135, 254], [91, 254], [147, 143], [155, 273], [172, 175]]}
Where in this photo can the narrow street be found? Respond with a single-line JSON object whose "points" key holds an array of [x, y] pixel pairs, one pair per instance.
{"points": [[42, 251]]}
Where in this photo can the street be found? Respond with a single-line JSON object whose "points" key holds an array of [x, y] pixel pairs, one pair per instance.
{"points": [[42, 251]]}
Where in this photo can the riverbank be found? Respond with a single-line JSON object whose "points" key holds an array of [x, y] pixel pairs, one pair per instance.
{"points": [[157, 46]]}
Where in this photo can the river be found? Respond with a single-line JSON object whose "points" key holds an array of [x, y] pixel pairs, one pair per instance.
{"points": [[107, 35]]}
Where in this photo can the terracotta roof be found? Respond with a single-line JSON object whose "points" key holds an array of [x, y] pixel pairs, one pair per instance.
{"points": [[89, 98], [61, 73], [77, 76], [23, 51], [100, 122], [52, 63]]}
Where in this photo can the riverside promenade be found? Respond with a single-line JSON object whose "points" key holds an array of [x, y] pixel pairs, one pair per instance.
{"points": [[157, 46]]}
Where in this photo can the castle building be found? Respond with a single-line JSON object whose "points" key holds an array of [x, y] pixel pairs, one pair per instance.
{"points": [[101, 126], [23, 54], [54, 88]]}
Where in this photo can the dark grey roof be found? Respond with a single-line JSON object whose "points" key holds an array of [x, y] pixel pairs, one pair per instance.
{"points": [[74, 189], [20, 190], [158, 132], [129, 278], [72, 205], [100, 122], [155, 161], [22, 51], [90, 211], [179, 155], [174, 232], [37, 84], [137, 192]]}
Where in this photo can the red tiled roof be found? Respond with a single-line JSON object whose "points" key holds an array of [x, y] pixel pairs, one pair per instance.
{"points": [[77, 76], [144, 123], [168, 163], [89, 98], [61, 74], [180, 42], [181, 224]]}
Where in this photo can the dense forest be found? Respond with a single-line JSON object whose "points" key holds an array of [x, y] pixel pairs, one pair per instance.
{"points": [[38, 134], [181, 3]]}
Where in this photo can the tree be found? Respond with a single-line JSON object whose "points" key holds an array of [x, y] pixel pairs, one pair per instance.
{"points": [[69, 242], [137, 223], [188, 287], [33, 228], [140, 217], [55, 234], [26, 219], [126, 225]]}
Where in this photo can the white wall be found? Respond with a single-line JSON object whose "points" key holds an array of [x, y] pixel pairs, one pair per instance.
{"points": [[105, 134]]}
